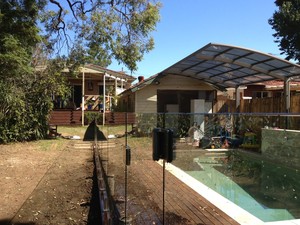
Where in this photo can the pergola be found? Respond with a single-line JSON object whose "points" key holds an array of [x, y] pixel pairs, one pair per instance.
{"points": [[226, 66], [103, 73]]}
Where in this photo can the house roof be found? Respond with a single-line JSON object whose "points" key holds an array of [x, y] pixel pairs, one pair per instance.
{"points": [[225, 66], [97, 72], [103, 70]]}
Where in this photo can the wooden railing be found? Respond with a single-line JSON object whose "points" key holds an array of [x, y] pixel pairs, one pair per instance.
{"points": [[74, 117]]}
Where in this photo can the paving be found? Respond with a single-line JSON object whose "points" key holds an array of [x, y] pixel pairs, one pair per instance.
{"points": [[141, 183]]}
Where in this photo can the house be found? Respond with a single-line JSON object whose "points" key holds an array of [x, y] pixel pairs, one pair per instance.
{"points": [[93, 89], [162, 94], [95, 81]]}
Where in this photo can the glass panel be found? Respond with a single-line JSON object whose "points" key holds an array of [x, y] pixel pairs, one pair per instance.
{"points": [[252, 160], [258, 57], [277, 63], [238, 52], [246, 61], [264, 66]]}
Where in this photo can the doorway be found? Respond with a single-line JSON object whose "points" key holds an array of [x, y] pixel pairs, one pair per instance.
{"points": [[77, 95]]}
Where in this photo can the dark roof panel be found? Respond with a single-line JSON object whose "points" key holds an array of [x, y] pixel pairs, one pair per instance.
{"points": [[229, 66]]}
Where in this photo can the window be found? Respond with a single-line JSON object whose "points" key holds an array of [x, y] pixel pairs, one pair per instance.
{"points": [[261, 94]]}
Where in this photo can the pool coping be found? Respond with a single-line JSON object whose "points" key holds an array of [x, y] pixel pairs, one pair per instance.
{"points": [[234, 211]]}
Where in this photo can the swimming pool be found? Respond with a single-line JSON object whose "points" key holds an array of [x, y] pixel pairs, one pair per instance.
{"points": [[268, 191]]}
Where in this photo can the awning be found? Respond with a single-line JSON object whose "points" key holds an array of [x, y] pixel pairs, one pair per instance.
{"points": [[226, 66]]}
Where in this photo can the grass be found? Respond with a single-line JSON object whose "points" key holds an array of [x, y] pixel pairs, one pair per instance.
{"points": [[59, 143]]}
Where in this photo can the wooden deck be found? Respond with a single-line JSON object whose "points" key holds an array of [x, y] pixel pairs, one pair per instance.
{"points": [[145, 193]]}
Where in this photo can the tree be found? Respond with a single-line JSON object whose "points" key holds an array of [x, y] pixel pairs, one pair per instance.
{"points": [[286, 23], [25, 91], [96, 31], [118, 29]]}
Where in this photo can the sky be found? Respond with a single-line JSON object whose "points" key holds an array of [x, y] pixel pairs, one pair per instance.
{"points": [[188, 25]]}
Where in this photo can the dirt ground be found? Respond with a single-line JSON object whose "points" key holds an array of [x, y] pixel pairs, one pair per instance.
{"points": [[39, 186], [53, 182]]}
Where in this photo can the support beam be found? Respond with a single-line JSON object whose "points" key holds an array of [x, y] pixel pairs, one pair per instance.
{"points": [[237, 98], [82, 100], [287, 95], [104, 100]]}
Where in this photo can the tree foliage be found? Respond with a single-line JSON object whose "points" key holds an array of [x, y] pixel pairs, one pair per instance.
{"points": [[39, 38], [25, 90], [286, 23], [105, 30]]}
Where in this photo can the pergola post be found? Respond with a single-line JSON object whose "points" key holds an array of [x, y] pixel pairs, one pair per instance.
{"points": [[82, 100], [287, 95], [104, 100], [237, 98]]}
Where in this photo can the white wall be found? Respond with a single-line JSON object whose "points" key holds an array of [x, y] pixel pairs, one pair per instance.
{"points": [[174, 82], [146, 98]]}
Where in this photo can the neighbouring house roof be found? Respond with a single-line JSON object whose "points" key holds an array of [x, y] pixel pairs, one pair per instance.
{"points": [[103, 70], [141, 84], [98, 71], [277, 84]]}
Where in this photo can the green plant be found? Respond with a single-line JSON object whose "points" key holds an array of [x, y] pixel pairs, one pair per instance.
{"points": [[91, 116]]}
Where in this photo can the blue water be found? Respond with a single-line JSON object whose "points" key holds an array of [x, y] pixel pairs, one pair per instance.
{"points": [[257, 192]]}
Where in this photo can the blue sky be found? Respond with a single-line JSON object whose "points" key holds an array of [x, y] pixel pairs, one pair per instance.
{"points": [[188, 25]]}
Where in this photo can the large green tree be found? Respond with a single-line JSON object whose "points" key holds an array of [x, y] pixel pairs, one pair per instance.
{"points": [[286, 23], [25, 88], [38, 38], [104, 30]]}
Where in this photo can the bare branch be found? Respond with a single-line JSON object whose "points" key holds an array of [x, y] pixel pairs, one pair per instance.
{"points": [[59, 18]]}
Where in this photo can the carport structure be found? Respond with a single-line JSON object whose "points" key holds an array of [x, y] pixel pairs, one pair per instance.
{"points": [[226, 66]]}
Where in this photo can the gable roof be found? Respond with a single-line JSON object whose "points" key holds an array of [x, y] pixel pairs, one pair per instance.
{"points": [[225, 66], [102, 70]]}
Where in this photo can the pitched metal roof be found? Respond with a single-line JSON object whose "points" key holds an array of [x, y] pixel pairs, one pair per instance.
{"points": [[225, 66]]}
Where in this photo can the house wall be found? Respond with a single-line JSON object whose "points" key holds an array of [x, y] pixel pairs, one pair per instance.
{"points": [[173, 82], [146, 98]]}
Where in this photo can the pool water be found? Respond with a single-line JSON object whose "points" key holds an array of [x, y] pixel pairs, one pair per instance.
{"points": [[267, 190]]}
